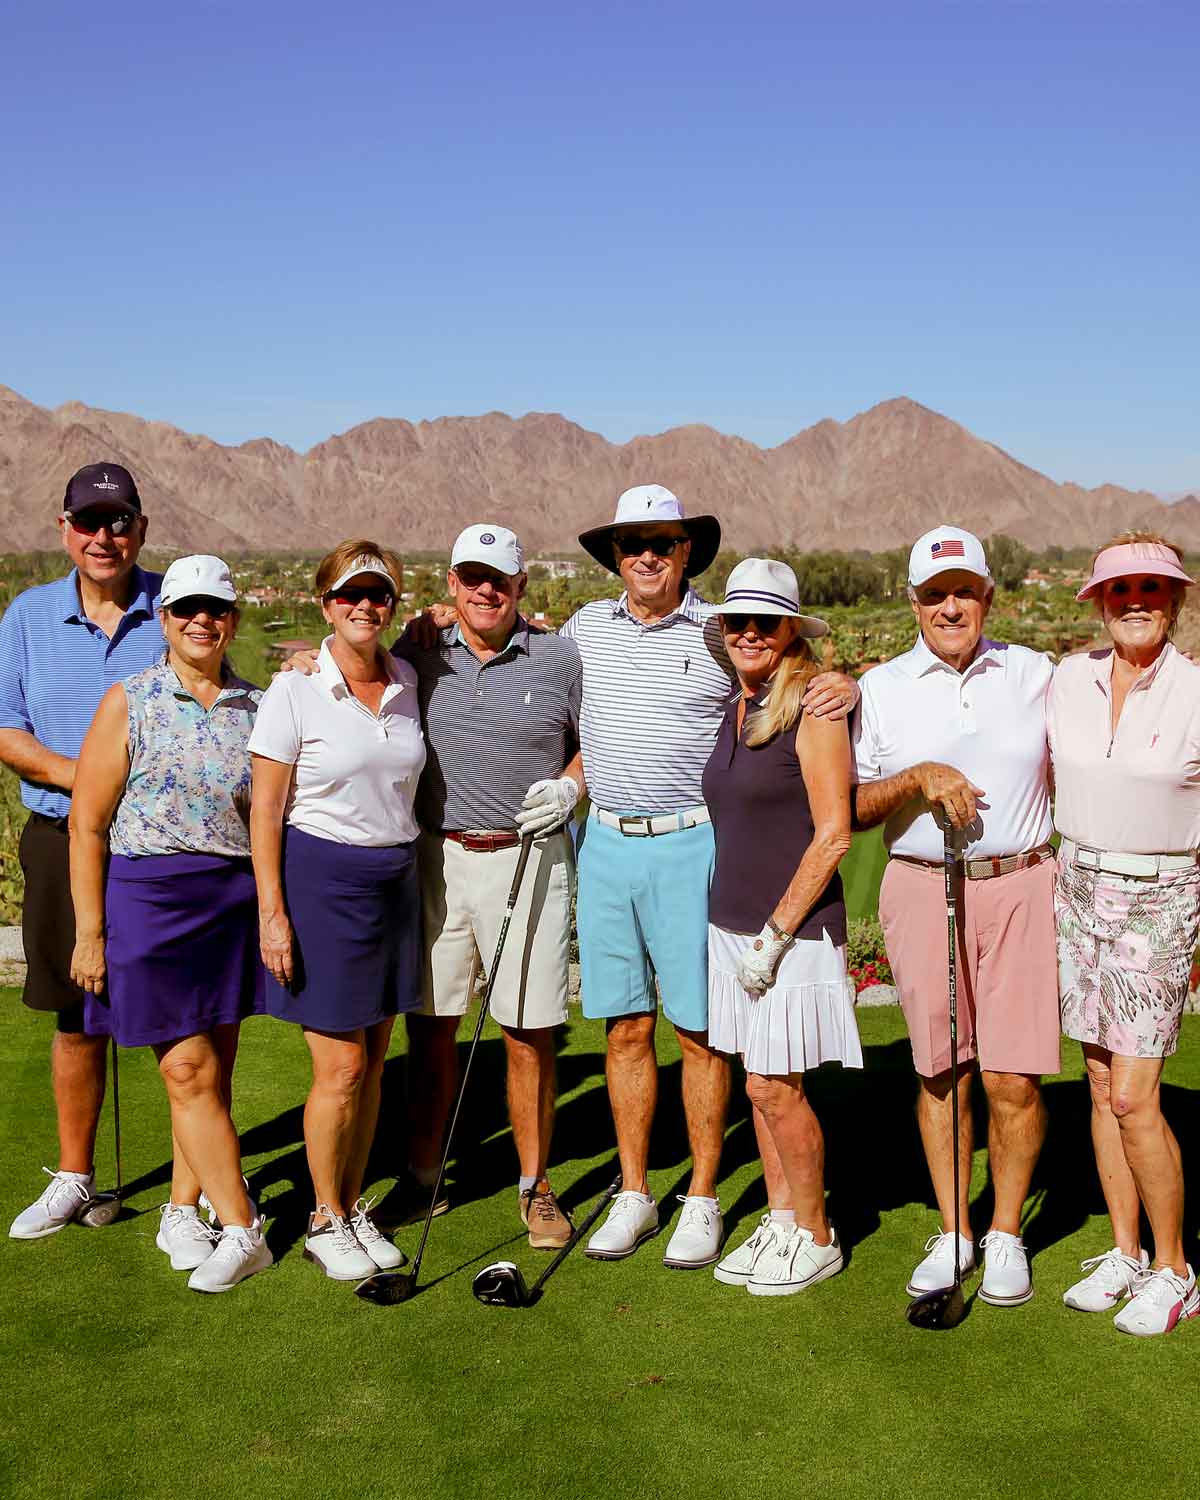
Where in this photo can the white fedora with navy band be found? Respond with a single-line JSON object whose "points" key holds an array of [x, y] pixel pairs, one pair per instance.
{"points": [[764, 586], [654, 505]]}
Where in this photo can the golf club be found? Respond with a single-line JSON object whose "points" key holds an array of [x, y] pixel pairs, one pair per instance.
{"points": [[387, 1287], [103, 1208], [502, 1285], [945, 1308]]}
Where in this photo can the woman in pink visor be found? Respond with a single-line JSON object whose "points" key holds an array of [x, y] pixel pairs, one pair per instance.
{"points": [[1124, 725]]}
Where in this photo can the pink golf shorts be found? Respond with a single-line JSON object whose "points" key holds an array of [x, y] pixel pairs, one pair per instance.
{"points": [[1007, 967]]}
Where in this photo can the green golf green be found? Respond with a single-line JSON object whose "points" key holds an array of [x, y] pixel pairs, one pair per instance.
{"points": [[625, 1379]]}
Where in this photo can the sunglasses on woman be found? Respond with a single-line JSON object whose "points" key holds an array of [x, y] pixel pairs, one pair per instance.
{"points": [[89, 522], [378, 594], [199, 604], [633, 545], [764, 624]]}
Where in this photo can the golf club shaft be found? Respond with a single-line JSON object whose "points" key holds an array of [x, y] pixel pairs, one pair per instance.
{"points": [[485, 1001], [951, 864], [579, 1232], [116, 1096]]}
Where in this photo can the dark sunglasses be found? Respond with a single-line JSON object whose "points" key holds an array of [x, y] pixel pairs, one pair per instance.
{"points": [[378, 594], [89, 522], [633, 545], [199, 604], [765, 624]]}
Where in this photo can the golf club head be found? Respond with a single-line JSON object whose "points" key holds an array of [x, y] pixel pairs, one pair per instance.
{"points": [[387, 1287], [501, 1285], [99, 1211], [938, 1310]]}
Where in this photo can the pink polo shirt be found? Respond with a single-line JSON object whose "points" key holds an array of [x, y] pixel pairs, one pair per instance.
{"points": [[1136, 791]]}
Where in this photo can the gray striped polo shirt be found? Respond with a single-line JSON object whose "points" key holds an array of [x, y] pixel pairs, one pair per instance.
{"points": [[653, 699], [492, 728]]}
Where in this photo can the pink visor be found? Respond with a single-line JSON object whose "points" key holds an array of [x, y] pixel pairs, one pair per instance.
{"points": [[1131, 560]]}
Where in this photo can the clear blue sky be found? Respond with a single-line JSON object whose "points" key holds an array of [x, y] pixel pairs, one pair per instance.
{"points": [[284, 219]]}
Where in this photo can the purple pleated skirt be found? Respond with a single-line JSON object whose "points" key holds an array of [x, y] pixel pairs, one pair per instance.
{"points": [[181, 949], [356, 914]]}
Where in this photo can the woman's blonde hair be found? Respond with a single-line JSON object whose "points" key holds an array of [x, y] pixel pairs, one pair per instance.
{"points": [[1126, 539], [795, 671], [346, 554]]}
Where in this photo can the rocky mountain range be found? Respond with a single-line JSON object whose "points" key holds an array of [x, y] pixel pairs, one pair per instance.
{"points": [[875, 481]]}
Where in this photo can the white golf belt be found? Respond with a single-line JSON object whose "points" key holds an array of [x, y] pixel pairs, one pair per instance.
{"points": [[649, 826], [1112, 862]]}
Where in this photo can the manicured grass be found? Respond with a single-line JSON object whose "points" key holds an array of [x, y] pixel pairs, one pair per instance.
{"points": [[862, 870], [626, 1379]]}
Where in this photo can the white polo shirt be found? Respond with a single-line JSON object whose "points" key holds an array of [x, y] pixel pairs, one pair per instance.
{"points": [[356, 774], [653, 699], [988, 722]]}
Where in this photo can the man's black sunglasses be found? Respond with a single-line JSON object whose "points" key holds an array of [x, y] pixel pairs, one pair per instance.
{"points": [[633, 545], [199, 604], [376, 594], [89, 522]]}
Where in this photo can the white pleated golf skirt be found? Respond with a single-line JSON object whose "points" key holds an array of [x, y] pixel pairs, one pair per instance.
{"points": [[805, 1019]]}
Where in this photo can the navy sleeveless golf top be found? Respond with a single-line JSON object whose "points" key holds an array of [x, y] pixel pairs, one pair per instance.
{"points": [[763, 824]]}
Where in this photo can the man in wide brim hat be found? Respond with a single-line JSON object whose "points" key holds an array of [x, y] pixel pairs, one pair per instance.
{"points": [[654, 505]]}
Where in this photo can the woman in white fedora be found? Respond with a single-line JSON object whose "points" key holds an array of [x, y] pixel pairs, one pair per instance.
{"points": [[777, 785]]}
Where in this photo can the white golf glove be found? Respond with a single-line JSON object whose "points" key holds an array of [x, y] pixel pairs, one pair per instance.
{"points": [[757, 963], [547, 806]]}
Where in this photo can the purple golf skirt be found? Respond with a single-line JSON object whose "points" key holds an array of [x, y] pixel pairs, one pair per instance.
{"points": [[356, 915], [181, 950]]}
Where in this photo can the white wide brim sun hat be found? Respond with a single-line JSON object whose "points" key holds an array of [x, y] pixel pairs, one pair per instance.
{"points": [[766, 586]]}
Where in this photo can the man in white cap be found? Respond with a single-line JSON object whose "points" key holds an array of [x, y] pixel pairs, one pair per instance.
{"points": [[955, 731], [656, 683]]}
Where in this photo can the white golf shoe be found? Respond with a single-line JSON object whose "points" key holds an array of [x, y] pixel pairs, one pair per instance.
{"points": [[239, 1253], [1006, 1278], [377, 1245], [1113, 1278], [738, 1266], [698, 1235], [632, 1218], [215, 1219], [65, 1195], [335, 1248], [936, 1271], [184, 1237], [796, 1264], [1160, 1300]]}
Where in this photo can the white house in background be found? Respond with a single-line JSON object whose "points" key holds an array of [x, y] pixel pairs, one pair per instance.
{"points": [[556, 567]]}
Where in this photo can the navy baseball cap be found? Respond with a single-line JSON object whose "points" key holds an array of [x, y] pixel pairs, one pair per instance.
{"points": [[102, 484]]}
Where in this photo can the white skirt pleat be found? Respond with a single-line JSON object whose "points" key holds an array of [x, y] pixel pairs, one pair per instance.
{"points": [[805, 1019]]}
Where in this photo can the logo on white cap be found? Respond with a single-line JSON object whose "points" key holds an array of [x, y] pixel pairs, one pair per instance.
{"points": [[943, 550]]}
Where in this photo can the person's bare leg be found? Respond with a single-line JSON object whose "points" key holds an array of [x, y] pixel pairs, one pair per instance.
{"points": [[631, 1069], [200, 1121], [77, 1074], [531, 1095], [432, 1083], [779, 1194], [705, 1107], [1152, 1153], [185, 1181], [1016, 1130], [339, 1062], [936, 1123], [799, 1144], [1116, 1180], [367, 1116]]}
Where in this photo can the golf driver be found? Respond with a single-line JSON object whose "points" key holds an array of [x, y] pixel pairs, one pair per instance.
{"points": [[398, 1286], [945, 1308], [502, 1285], [102, 1208]]}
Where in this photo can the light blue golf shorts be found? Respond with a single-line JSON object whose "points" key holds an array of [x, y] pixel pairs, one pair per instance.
{"points": [[642, 911]]}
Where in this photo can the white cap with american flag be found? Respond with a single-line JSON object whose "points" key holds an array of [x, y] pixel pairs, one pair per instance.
{"points": [[946, 549]]}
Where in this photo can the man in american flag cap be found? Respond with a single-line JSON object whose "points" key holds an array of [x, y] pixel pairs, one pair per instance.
{"points": [[953, 734]]}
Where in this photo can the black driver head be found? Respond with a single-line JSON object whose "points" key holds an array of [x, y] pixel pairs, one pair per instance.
{"points": [[387, 1287], [501, 1285], [99, 1211], [938, 1310]]}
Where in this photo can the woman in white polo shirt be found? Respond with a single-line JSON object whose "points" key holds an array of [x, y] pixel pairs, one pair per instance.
{"points": [[336, 760]]}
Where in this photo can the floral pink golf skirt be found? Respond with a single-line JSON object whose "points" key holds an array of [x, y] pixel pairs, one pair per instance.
{"points": [[1125, 948]]}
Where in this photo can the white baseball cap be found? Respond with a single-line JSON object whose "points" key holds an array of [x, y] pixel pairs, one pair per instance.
{"points": [[188, 577], [946, 549], [494, 546], [365, 562], [765, 586]]}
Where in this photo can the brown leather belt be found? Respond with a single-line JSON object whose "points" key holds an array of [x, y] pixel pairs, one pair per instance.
{"points": [[988, 867], [483, 841]]}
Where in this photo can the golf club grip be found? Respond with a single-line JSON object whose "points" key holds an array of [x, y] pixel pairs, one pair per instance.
{"points": [[519, 872], [579, 1232]]}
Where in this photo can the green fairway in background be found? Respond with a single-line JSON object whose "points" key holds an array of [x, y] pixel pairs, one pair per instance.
{"points": [[626, 1379], [862, 870]]}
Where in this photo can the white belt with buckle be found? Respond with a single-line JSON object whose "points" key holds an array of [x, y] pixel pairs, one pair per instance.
{"points": [[644, 827], [1111, 862]]}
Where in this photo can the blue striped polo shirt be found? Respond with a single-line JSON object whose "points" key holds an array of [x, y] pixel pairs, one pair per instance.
{"points": [[56, 665]]}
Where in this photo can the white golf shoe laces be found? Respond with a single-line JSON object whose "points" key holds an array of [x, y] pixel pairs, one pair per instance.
{"points": [[240, 1252], [65, 1194], [372, 1239], [1114, 1277], [632, 1218], [698, 1235], [738, 1266], [184, 1237]]}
